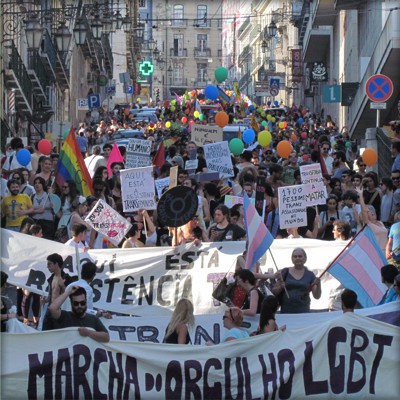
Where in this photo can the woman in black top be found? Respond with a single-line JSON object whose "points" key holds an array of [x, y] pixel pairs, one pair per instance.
{"points": [[254, 298], [177, 331]]}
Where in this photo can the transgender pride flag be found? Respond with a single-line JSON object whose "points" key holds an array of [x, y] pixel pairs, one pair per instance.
{"points": [[259, 239], [359, 268]]}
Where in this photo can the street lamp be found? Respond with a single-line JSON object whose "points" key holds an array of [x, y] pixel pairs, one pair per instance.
{"points": [[118, 20], [151, 44], [80, 32], [156, 53], [139, 31], [34, 32], [127, 24], [63, 37], [272, 28], [264, 46], [97, 28]]}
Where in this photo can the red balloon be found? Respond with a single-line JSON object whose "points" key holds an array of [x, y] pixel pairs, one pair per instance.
{"points": [[191, 122], [166, 103], [184, 120], [45, 147], [151, 124], [304, 135]]}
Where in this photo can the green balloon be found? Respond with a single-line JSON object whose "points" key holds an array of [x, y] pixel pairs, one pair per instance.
{"points": [[201, 117], [236, 146], [264, 123], [348, 145], [221, 73]]}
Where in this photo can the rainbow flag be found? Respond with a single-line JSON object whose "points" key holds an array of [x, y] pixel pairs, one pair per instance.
{"points": [[71, 166]]}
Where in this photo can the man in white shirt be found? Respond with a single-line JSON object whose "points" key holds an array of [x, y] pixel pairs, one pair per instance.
{"points": [[11, 164], [95, 160], [78, 233]]}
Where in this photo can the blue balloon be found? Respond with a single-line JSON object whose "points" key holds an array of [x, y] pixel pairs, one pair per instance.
{"points": [[262, 128], [276, 102], [251, 107], [185, 131], [211, 92], [268, 103], [24, 157], [249, 136], [301, 120]]}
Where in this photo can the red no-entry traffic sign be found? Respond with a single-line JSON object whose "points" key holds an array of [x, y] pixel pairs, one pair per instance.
{"points": [[379, 88]]}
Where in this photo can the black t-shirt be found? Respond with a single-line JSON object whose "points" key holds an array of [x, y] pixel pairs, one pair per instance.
{"points": [[68, 319], [311, 214], [246, 302], [224, 235]]}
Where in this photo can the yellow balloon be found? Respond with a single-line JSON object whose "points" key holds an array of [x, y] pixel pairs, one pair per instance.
{"points": [[172, 108], [168, 124], [196, 114], [273, 119], [269, 117]]}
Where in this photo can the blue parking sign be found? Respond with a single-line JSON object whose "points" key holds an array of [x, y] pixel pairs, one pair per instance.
{"points": [[331, 93], [94, 100]]}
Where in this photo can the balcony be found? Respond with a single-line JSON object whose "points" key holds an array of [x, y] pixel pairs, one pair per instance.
{"points": [[244, 54], [179, 23], [178, 53], [243, 27], [201, 53], [54, 62], [108, 57], [179, 82], [244, 81], [200, 23], [348, 4], [39, 77], [17, 78], [200, 83]]}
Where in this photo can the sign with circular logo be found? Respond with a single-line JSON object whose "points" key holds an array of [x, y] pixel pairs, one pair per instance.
{"points": [[274, 91], [177, 206], [379, 88]]}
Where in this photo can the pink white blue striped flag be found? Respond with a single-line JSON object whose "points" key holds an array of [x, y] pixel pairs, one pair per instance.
{"points": [[359, 268], [259, 239]]}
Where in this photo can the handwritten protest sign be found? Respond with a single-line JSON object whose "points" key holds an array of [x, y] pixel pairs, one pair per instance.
{"points": [[218, 158], [173, 177], [202, 134], [191, 165], [138, 189], [138, 153], [161, 184], [311, 175], [105, 220], [231, 201], [292, 207]]}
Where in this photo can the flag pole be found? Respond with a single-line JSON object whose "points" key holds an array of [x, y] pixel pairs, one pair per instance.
{"points": [[277, 270], [346, 247]]}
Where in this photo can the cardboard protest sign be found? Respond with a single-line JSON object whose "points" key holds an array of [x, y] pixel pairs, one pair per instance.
{"points": [[191, 165], [292, 207], [312, 175], [161, 184], [231, 201], [173, 177], [218, 158], [105, 220], [205, 176], [138, 153], [137, 189], [202, 134]]}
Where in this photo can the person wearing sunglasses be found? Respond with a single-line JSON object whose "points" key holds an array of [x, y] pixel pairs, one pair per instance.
{"points": [[78, 317], [233, 318]]}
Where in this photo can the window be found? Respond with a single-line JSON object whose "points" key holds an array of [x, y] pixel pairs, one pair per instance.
{"points": [[178, 45], [202, 42], [178, 15], [178, 74], [201, 16], [142, 3], [202, 72]]}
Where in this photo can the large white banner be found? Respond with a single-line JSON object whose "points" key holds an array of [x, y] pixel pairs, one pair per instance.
{"points": [[104, 219], [351, 357], [137, 189], [218, 158], [135, 281]]}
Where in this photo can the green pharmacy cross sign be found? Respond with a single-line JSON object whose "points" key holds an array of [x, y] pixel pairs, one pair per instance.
{"points": [[146, 68]]}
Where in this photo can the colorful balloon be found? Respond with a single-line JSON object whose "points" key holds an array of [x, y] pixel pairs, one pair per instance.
{"points": [[201, 117], [293, 137], [24, 157], [248, 136], [211, 92], [304, 135], [168, 124], [221, 119], [236, 146], [264, 123], [183, 120], [221, 74], [196, 114], [45, 147], [370, 157], [264, 138], [284, 148]]}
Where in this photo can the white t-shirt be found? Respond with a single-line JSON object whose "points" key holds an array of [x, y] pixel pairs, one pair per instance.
{"points": [[72, 243], [15, 164]]}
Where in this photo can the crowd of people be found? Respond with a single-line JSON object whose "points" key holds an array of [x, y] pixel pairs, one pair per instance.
{"points": [[356, 197]]}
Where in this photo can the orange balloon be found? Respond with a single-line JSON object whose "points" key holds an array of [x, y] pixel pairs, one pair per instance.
{"points": [[370, 157], [294, 137], [284, 148], [221, 119]]}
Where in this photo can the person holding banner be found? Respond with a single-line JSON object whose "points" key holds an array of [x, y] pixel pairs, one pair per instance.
{"points": [[182, 319], [78, 316], [132, 240], [299, 282]]}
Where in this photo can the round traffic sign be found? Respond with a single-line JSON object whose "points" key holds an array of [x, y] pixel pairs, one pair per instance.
{"points": [[379, 88], [274, 91]]}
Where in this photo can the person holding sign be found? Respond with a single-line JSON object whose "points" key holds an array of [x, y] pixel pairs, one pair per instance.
{"points": [[222, 229], [299, 282], [328, 217]]}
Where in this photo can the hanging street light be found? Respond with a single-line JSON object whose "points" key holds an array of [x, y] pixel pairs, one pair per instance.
{"points": [[33, 32]]}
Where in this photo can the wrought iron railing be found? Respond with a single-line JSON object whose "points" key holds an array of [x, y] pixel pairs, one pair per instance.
{"points": [[19, 69], [36, 64], [178, 53], [198, 52], [49, 49]]}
